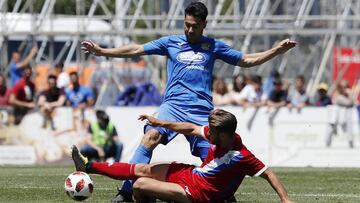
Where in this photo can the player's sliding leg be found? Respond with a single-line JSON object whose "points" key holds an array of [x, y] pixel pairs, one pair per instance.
{"points": [[79, 160], [145, 188], [142, 154]]}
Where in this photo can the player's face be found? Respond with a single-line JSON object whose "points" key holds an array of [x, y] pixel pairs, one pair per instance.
{"points": [[193, 28], [214, 136]]}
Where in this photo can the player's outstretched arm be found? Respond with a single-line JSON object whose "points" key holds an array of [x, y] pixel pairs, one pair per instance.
{"points": [[180, 127], [254, 59], [131, 50], [277, 185]]}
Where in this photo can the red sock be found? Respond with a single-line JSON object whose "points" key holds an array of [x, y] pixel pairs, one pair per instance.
{"points": [[118, 171]]}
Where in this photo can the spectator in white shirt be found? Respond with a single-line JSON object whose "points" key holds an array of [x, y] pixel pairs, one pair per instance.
{"points": [[252, 94], [221, 94], [298, 97], [63, 79]]}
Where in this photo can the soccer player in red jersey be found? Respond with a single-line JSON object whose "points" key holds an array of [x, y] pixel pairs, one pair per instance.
{"points": [[217, 179]]}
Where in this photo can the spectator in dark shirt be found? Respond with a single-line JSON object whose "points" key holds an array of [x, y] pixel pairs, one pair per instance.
{"points": [[50, 99], [278, 95], [4, 92], [22, 95], [322, 98]]}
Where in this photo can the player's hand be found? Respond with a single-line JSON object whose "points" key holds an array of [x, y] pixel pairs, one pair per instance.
{"points": [[90, 47], [285, 45], [150, 120]]}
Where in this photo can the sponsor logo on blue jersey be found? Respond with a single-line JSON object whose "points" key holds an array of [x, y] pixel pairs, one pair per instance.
{"points": [[190, 57]]}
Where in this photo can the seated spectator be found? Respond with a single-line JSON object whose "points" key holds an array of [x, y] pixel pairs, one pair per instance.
{"points": [[322, 99], [239, 82], [78, 96], [220, 93], [278, 95], [63, 79], [269, 82], [298, 97], [22, 95], [4, 92], [17, 65], [102, 141], [50, 99], [252, 94]]}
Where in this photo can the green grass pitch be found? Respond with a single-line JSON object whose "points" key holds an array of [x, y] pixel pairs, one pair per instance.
{"points": [[45, 184]]}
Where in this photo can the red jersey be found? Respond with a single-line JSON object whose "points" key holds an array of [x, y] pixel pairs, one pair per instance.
{"points": [[221, 173], [24, 91]]}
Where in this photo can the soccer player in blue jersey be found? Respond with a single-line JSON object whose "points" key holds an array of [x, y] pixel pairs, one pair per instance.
{"points": [[190, 64]]}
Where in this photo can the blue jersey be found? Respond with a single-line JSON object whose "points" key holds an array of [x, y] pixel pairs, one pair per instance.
{"points": [[189, 68], [15, 73], [81, 96]]}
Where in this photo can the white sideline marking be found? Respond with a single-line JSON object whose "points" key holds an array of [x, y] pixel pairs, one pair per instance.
{"points": [[306, 194]]}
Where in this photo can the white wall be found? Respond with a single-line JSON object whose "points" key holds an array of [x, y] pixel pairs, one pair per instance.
{"points": [[291, 139]]}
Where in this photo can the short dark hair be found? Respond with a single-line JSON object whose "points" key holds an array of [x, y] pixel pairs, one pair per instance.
{"points": [[256, 79], [59, 65], [74, 73], [300, 77], [102, 115], [197, 9], [27, 67], [51, 76], [223, 121]]}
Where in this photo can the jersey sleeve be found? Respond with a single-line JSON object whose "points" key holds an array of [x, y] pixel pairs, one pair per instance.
{"points": [[205, 132], [226, 53], [254, 167], [158, 46]]}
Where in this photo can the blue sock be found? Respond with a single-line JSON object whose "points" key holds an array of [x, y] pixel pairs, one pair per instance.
{"points": [[141, 155]]}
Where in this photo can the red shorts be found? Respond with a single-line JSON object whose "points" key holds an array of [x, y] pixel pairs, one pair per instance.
{"points": [[182, 175]]}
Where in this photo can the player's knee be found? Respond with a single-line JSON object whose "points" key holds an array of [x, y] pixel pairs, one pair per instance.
{"points": [[151, 138], [139, 185]]}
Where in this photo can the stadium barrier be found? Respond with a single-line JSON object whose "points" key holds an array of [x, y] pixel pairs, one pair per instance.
{"points": [[280, 137]]}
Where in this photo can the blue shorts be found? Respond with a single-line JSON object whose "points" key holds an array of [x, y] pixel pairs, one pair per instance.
{"points": [[199, 147]]}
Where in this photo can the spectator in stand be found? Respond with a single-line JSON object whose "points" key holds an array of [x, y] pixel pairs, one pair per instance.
{"points": [[278, 95], [342, 95], [50, 99], [239, 82], [358, 106], [78, 96], [322, 99], [269, 82], [63, 79], [17, 65], [102, 141], [298, 97], [221, 94], [22, 95], [252, 94], [341, 113], [4, 92], [4, 102]]}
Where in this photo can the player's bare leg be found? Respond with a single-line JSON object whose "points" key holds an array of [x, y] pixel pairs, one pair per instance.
{"points": [[149, 141], [151, 184]]}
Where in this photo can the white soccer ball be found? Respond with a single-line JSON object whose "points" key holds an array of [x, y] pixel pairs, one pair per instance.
{"points": [[78, 186]]}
